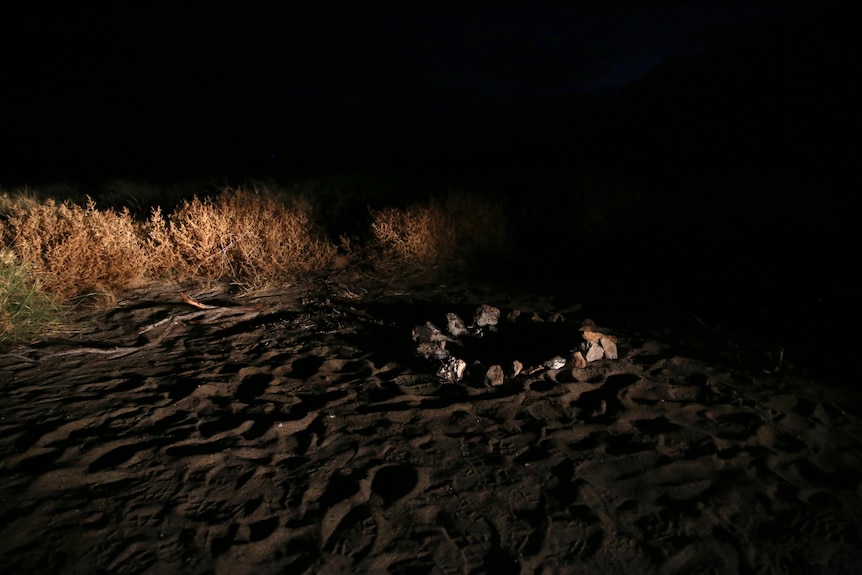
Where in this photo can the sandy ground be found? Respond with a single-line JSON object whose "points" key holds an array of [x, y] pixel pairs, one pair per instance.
{"points": [[296, 431]]}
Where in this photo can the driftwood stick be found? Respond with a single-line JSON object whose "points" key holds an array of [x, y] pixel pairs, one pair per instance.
{"points": [[210, 312], [196, 303]]}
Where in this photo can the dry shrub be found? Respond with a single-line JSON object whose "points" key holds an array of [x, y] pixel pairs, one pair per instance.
{"points": [[462, 228], [76, 250], [417, 235], [248, 237]]}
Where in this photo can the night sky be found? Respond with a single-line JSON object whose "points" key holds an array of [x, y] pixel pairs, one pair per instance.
{"points": [[733, 117], [734, 122], [171, 92]]}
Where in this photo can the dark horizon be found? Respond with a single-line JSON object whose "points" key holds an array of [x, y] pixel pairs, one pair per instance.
{"points": [[727, 120], [728, 117], [147, 95]]}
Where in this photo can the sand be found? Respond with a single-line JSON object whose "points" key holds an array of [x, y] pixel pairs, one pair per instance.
{"points": [[294, 430]]}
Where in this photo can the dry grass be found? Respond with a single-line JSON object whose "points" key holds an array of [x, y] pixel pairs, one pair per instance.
{"points": [[420, 235], [59, 253], [457, 230], [249, 237], [77, 250]]}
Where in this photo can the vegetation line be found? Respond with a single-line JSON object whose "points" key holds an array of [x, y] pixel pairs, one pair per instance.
{"points": [[59, 253]]}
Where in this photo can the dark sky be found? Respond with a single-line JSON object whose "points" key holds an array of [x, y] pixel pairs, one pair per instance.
{"points": [[734, 121], [167, 91]]}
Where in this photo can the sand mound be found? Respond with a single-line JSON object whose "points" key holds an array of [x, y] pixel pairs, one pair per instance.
{"points": [[298, 431]]}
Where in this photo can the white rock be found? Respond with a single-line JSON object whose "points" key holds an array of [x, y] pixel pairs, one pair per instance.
{"points": [[517, 368], [453, 370], [594, 351], [556, 362], [486, 315], [455, 325], [494, 375]]}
